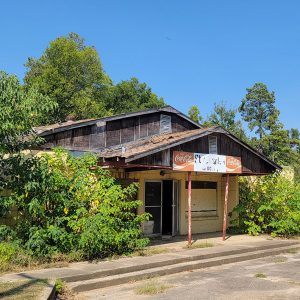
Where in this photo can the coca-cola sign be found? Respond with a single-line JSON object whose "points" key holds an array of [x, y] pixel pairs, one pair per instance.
{"points": [[201, 162]]}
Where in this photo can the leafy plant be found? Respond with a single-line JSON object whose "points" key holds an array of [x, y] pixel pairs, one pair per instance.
{"points": [[269, 204], [66, 204]]}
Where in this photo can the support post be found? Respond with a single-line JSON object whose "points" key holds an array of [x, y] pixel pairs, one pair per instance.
{"points": [[225, 207], [189, 208]]}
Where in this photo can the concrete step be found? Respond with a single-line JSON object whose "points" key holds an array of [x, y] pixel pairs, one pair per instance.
{"points": [[116, 278], [171, 261]]}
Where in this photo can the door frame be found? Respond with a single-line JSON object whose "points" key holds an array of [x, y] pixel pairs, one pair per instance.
{"points": [[175, 219], [161, 204], [161, 201]]}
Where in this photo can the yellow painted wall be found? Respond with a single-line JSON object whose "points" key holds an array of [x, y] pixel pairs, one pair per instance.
{"points": [[200, 224]]}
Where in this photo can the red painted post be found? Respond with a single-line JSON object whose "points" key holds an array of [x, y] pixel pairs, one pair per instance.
{"points": [[189, 208], [225, 207]]}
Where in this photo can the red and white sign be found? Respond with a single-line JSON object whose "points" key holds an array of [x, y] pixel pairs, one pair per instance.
{"points": [[211, 163]]}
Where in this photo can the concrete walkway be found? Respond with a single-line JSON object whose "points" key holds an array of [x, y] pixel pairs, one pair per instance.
{"points": [[279, 280], [174, 249]]}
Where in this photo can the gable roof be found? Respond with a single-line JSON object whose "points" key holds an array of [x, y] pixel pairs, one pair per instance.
{"points": [[58, 127], [144, 147]]}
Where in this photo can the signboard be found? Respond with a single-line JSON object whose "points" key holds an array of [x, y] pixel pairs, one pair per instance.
{"points": [[211, 163]]}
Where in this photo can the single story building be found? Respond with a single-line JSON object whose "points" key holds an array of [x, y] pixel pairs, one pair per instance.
{"points": [[187, 174]]}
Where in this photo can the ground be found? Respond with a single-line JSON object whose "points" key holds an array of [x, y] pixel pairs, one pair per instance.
{"points": [[276, 277], [28, 289]]}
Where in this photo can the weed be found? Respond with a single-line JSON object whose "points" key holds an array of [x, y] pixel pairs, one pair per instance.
{"points": [[260, 275], [292, 251], [152, 288], [278, 259], [199, 245], [150, 251]]}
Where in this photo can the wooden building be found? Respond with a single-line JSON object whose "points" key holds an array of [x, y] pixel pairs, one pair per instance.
{"points": [[188, 174]]}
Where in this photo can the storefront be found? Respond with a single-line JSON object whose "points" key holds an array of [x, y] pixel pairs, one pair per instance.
{"points": [[187, 174]]}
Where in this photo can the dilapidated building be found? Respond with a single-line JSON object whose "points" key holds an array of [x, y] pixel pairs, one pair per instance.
{"points": [[187, 174]]}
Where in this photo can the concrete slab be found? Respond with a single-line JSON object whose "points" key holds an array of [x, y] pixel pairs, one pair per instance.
{"points": [[175, 247], [234, 281]]}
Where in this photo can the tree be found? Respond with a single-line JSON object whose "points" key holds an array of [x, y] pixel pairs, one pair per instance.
{"points": [[227, 118], [71, 74], [194, 114], [20, 110], [258, 109], [131, 95], [295, 139]]}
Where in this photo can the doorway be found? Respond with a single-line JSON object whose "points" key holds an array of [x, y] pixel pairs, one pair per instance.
{"points": [[167, 201], [161, 201]]}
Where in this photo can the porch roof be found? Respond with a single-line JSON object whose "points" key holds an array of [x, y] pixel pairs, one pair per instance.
{"points": [[144, 147]]}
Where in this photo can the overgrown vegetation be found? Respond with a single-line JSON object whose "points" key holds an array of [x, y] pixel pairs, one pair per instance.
{"points": [[269, 204], [68, 205], [56, 207]]}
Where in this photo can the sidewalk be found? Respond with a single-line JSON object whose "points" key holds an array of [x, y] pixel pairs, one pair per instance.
{"points": [[174, 249]]}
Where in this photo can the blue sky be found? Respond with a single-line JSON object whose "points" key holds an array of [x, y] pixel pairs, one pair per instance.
{"points": [[189, 52]]}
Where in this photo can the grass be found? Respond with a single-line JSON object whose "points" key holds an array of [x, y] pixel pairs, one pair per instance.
{"points": [[260, 275], [22, 289], [152, 288], [292, 251], [199, 245], [12, 267], [279, 259], [18, 260], [150, 251]]}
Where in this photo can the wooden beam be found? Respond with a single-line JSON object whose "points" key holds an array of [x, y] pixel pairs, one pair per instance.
{"points": [[189, 208], [122, 165], [225, 207]]}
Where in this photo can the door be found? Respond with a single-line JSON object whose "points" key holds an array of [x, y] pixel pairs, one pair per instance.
{"points": [[175, 208], [153, 203]]}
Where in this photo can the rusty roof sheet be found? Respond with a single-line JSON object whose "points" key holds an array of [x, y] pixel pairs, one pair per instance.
{"points": [[156, 142]]}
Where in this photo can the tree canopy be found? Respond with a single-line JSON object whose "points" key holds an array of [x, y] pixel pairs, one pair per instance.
{"points": [[194, 114], [131, 95], [71, 74], [20, 110], [258, 109]]}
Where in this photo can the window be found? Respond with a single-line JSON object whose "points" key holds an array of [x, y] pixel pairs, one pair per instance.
{"points": [[204, 198], [165, 124], [212, 145]]}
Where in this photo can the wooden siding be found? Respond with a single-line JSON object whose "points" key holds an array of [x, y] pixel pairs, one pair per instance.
{"points": [[180, 124], [114, 133], [252, 163]]}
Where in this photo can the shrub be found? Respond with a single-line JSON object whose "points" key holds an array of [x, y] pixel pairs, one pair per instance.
{"points": [[269, 204], [67, 204]]}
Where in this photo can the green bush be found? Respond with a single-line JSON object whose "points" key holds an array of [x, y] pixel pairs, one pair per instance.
{"points": [[269, 204], [70, 205]]}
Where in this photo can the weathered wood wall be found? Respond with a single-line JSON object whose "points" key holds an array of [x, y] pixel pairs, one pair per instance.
{"points": [[251, 162], [117, 132]]}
